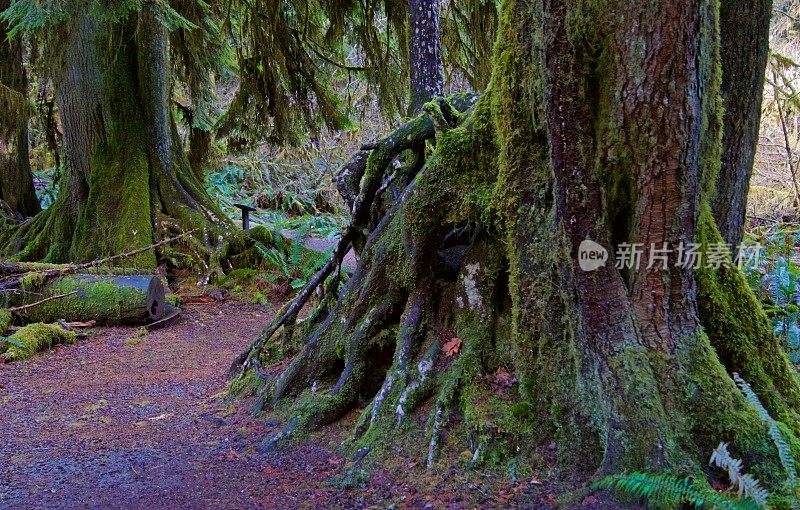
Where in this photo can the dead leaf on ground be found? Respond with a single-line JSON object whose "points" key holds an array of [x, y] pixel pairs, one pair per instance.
{"points": [[452, 346], [502, 379]]}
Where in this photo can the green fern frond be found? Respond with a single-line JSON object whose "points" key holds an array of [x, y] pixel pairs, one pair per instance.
{"points": [[298, 247], [784, 453], [663, 490], [747, 486], [752, 398], [274, 257], [722, 458], [784, 450]]}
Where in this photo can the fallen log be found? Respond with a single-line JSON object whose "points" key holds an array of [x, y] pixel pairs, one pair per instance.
{"points": [[108, 300]]}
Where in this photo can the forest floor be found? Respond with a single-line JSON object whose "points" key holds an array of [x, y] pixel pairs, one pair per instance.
{"points": [[129, 420]]}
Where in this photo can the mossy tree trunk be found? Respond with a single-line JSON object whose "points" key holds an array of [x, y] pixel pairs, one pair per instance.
{"points": [[128, 182], [602, 122], [16, 181]]}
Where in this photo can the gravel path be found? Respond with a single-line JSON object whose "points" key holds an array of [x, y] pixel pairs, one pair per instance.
{"points": [[123, 421], [126, 421]]}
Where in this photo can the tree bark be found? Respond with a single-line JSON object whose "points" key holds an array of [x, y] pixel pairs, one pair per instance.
{"points": [[128, 182], [744, 52], [425, 45], [16, 179], [601, 123]]}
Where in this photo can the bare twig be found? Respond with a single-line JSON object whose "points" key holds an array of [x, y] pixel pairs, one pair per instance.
{"points": [[788, 148], [22, 308], [53, 273]]}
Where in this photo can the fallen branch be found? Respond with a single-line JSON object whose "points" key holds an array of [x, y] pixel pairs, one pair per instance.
{"points": [[54, 273], [246, 357], [22, 308]]}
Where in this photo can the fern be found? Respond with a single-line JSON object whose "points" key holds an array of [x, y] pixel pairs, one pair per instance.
{"points": [[782, 282], [298, 247], [784, 450], [745, 484], [274, 257], [667, 491]]}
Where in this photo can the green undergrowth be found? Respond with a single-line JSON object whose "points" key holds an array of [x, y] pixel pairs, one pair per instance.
{"points": [[5, 320], [273, 264], [773, 273], [741, 491], [285, 200], [34, 338]]}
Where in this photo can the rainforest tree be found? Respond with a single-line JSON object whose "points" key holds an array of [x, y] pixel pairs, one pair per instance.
{"points": [[603, 121], [129, 180], [425, 47], [744, 50], [16, 181]]}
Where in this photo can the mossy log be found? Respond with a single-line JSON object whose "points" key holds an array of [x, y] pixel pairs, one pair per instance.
{"points": [[109, 300], [33, 338]]}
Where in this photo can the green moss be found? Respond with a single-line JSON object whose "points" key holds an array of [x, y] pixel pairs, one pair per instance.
{"points": [[741, 333], [5, 321], [715, 411], [173, 299], [32, 281], [244, 386], [97, 299], [33, 338], [236, 277]]}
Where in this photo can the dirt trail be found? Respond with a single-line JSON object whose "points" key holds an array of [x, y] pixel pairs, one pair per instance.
{"points": [[122, 421]]}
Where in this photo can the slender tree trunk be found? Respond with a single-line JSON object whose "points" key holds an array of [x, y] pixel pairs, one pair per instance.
{"points": [[425, 44], [128, 182], [200, 141], [744, 51], [601, 123], [16, 179]]}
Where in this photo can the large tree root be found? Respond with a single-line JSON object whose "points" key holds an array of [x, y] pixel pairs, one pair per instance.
{"points": [[458, 254]]}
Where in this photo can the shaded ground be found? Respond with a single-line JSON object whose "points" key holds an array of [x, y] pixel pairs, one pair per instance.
{"points": [[120, 420]]}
